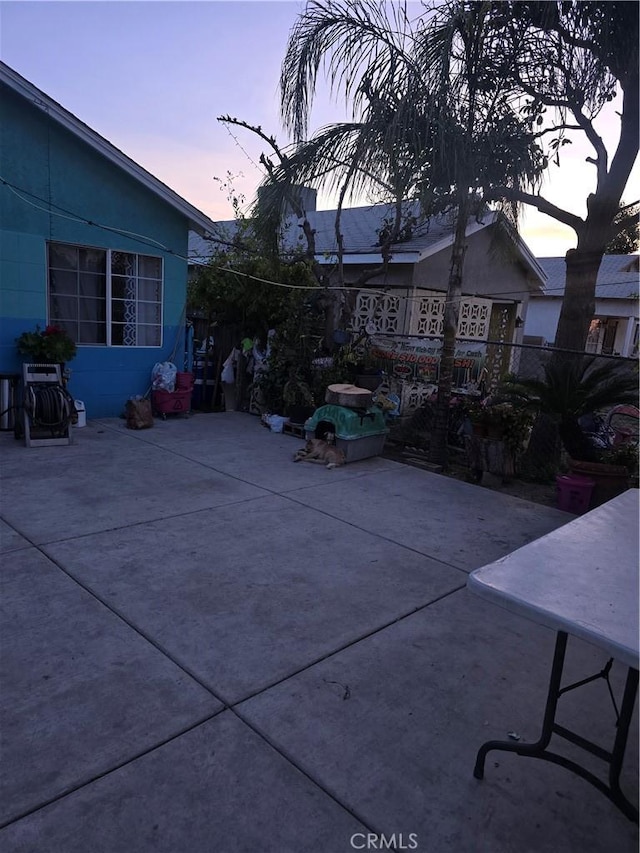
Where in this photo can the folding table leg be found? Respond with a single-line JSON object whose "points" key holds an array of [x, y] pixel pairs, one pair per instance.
{"points": [[553, 695], [549, 727]]}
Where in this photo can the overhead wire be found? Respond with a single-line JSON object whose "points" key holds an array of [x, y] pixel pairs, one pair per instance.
{"points": [[151, 241]]}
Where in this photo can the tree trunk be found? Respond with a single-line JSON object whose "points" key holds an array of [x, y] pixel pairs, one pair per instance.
{"points": [[438, 448], [578, 304], [583, 262], [583, 266]]}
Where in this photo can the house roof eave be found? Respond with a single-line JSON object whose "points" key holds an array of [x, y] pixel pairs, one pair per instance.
{"points": [[198, 221], [352, 258]]}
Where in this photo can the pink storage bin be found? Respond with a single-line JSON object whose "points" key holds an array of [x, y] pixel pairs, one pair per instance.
{"points": [[574, 493]]}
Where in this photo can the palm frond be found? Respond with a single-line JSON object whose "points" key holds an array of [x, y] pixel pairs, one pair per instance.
{"points": [[355, 40], [577, 386]]}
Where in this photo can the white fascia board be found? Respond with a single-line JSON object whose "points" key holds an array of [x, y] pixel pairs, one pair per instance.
{"points": [[198, 222], [369, 258], [532, 263]]}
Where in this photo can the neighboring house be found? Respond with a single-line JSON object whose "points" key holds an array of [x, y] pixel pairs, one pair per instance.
{"points": [[89, 241], [614, 328], [500, 276], [499, 271]]}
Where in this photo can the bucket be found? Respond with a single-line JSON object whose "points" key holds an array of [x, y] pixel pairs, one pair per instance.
{"points": [[574, 493], [184, 381], [82, 413], [8, 399]]}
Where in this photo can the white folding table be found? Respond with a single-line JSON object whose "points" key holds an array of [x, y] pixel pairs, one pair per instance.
{"points": [[581, 579]]}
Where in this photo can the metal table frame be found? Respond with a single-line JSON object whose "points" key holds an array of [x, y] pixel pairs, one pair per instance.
{"points": [[530, 582]]}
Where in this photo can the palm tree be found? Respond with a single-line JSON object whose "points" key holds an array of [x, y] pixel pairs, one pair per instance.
{"points": [[431, 120]]}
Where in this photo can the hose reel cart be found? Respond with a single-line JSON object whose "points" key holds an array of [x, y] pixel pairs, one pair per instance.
{"points": [[48, 409]]}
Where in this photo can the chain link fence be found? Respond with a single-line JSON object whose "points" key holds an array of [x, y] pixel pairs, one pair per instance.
{"points": [[481, 369]]}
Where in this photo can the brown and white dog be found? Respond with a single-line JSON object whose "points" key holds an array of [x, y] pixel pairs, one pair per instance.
{"points": [[319, 451]]}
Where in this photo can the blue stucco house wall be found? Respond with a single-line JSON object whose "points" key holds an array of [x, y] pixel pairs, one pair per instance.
{"points": [[64, 185]]}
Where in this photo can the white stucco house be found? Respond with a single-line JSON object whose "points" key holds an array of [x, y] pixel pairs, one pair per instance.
{"points": [[402, 306], [614, 328]]}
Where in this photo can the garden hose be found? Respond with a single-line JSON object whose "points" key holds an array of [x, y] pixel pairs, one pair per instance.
{"points": [[49, 406]]}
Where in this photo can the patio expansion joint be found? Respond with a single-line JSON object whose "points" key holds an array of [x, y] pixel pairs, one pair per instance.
{"points": [[307, 774], [226, 705], [115, 612], [282, 751], [365, 636], [289, 496], [211, 467], [144, 522], [143, 753], [73, 789]]}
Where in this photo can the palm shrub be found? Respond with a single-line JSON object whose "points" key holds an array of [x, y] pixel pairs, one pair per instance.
{"points": [[574, 387]]}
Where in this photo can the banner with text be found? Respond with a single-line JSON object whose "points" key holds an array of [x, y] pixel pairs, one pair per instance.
{"points": [[418, 359]]}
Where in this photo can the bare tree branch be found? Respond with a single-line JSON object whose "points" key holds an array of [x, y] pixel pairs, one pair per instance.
{"points": [[538, 202]]}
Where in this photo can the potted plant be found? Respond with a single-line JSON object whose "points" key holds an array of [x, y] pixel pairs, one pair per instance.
{"points": [[297, 398], [51, 345], [625, 455], [571, 389], [359, 366], [502, 420], [500, 428]]}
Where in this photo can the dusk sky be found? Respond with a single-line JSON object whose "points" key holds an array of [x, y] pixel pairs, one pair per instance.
{"points": [[153, 76]]}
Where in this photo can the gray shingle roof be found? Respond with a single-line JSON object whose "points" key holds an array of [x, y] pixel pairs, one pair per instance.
{"points": [[618, 277], [360, 228]]}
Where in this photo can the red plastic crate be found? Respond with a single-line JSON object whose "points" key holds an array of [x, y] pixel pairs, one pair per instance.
{"points": [[171, 402]]}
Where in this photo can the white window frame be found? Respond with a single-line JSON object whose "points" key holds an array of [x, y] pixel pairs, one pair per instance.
{"points": [[109, 295]]}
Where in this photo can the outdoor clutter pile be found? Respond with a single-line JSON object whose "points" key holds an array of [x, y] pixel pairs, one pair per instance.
{"points": [[171, 392]]}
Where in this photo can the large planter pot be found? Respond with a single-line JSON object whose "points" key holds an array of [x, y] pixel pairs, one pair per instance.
{"points": [[610, 480], [491, 455]]}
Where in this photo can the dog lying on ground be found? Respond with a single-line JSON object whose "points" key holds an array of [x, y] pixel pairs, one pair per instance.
{"points": [[317, 450]]}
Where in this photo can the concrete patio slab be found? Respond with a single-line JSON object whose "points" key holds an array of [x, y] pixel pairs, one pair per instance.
{"points": [[103, 481], [441, 517], [218, 788], [81, 691], [194, 562], [10, 539], [391, 727], [243, 597], [229, 444]]}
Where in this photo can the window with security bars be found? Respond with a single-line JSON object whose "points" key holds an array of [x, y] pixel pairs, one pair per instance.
{"points": [[103, 296]]}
